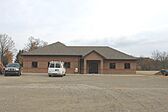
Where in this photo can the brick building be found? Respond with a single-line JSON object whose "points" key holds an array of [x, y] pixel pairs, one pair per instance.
{"points": [[87, 59]]}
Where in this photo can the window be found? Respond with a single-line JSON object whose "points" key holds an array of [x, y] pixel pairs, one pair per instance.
{"points": [[67, 64], [57, 65], [127, 66], [34, 64], [51, 65], [112, 65]]}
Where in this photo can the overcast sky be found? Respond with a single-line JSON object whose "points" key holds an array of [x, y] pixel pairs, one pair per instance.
{"points": [[136, 27]]}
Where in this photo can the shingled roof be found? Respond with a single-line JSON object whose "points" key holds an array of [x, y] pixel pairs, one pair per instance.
{"points": [[59, 48]]}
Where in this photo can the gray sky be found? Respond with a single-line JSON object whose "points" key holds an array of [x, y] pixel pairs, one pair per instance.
{"points": [[137, 27]]}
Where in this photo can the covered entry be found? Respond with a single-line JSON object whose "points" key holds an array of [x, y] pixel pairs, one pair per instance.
{"points": [[93, 63], [93, 66]]}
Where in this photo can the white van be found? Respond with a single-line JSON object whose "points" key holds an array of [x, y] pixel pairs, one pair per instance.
{"points": [[56, 68]]}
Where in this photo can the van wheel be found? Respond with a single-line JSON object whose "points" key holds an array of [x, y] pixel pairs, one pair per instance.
{"points": [[49, 75]]}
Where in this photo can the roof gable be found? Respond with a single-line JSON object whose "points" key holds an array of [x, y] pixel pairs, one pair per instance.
{"points": [[91, 53]]}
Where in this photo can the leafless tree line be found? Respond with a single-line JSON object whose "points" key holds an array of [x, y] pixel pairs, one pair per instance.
{"points": [[158, 61], [161, 59]]}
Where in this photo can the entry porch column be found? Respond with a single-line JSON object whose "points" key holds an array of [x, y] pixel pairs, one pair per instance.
{"points": [[101, 66], [85, 65]]}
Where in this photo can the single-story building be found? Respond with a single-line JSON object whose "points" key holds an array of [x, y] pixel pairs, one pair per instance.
{"points": [[80, 59]]}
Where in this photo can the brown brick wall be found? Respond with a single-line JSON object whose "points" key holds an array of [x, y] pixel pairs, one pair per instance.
{"points": [[74, 61], [43, 63], [119, 67]]}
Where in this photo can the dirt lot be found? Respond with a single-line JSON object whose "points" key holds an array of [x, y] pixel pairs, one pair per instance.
{"points": [[123, 93]]}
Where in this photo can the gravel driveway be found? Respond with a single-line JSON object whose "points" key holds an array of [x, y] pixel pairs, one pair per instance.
{"points": [[83, 93]]}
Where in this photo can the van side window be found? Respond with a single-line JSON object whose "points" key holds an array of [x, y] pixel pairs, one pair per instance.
{"points": [[57, 65]]}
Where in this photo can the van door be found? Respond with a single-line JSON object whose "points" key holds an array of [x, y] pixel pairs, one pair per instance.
{"points": [[52, 67], [58, 68]]}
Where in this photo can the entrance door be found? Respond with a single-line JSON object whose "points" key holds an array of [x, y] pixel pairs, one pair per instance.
{"points": [[93, 67]]}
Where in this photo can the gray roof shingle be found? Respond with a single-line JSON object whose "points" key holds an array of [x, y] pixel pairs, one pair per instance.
{"points": [[59, 48]]}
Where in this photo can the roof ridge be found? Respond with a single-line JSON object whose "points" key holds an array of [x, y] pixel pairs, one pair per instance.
{"points": [[88, 46], [58, 42], [48, 46]]}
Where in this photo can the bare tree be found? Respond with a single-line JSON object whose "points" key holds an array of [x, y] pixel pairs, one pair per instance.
{"points": [[34, 43], [6, 45], [9, 57]]}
